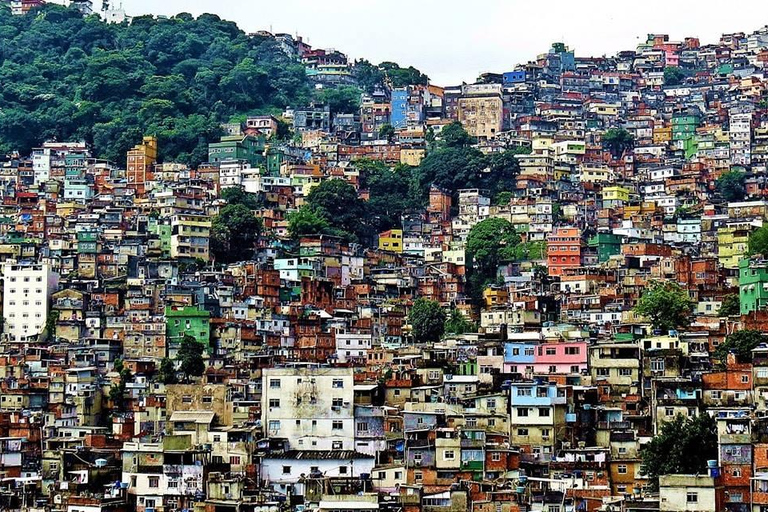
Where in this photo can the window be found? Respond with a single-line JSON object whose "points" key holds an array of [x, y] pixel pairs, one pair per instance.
{"points": [[621, 469], [495, 456], [362, 426], [338, 383], [522, 411], [337, 402], [274, 383], [572, 351], [625, 372], [551, 351], [602, 372], [522, 431], [543, 411], [449, 455], [172, 484], [274, 403], [286, 470], [208, 399], [669, 411], [745, 379], [273, 425], [715, 394], [657, 365], [337, 425], [343, 470], [490, 403], [692, 497], [523, 391], [234, 459], [154, 481], [187, 399]]}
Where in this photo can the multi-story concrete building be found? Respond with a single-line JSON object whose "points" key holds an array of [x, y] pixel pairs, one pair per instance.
{"points": [[27, 289], [311, 408]]}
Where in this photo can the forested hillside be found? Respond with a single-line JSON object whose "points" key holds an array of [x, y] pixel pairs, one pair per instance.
{"points": [[67, 77]]}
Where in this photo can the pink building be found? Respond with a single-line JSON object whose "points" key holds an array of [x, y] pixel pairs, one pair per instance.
{"points": [[560, 357]]}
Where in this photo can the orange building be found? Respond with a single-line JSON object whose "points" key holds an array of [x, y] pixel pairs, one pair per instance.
{"points": [[141, 161], [563, 250]]}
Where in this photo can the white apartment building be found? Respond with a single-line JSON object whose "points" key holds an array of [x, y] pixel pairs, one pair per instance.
{"points": [[353, 347], [27, 289], [311, 407]]}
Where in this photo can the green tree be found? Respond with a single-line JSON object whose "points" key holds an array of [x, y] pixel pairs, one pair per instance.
{"points": [[341, 100], [683, 446], [306, 221], [530, 251], [489, 243], [167, 372], [740, 343], [732, 185], [117, 393], [454, 135], [387, 132], [457, 323], [730, 305], [617, 141], [666, 304], [758, 241], [673, 75], [236, 195], [190, 357], [502, 198], [401, 77], [234, 232], [336, 200], [427, 319]]}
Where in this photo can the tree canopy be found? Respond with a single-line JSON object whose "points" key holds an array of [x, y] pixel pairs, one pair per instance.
{"points": [[618, 141], [666, 304], [758, 241], [233, 233], [673, 75], [741, 344], [731, 185], [72, 77], [190, 357], [683, 446], [427, 319], [490, 242]]}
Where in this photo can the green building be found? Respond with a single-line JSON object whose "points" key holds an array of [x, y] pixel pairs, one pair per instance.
{"points": [[162, 229], [235, 147], [181, 320], [684, 125], [753, 285], [607, 245]]}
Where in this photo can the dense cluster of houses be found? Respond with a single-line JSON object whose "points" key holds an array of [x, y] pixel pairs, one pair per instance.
{"points": [[315, 395]]}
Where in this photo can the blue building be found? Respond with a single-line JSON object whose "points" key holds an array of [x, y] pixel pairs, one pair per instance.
{"points": [[513, 77], [518, 355], [399, 114]]}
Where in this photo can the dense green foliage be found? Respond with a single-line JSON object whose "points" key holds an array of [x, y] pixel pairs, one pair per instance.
{"points": [[489, 243], [427, 319], [758, 241], [233, 233], [167, 372], [307, 220], [673, 75], [617, 141], [392, 191], [340, 100], [666, 304], [457, 323], [336, 201], [683, 446], [741, 344], [730, 305], [71, 77], [370, 76], [731, 185], [190, 357]]}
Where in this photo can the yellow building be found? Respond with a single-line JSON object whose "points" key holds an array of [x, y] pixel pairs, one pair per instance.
{"points": [[662, 134], [495, 297], [412, 157], [190, 236], [481, 110], [615, 194], [589, 174], [732, 242], [391, 240]]}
